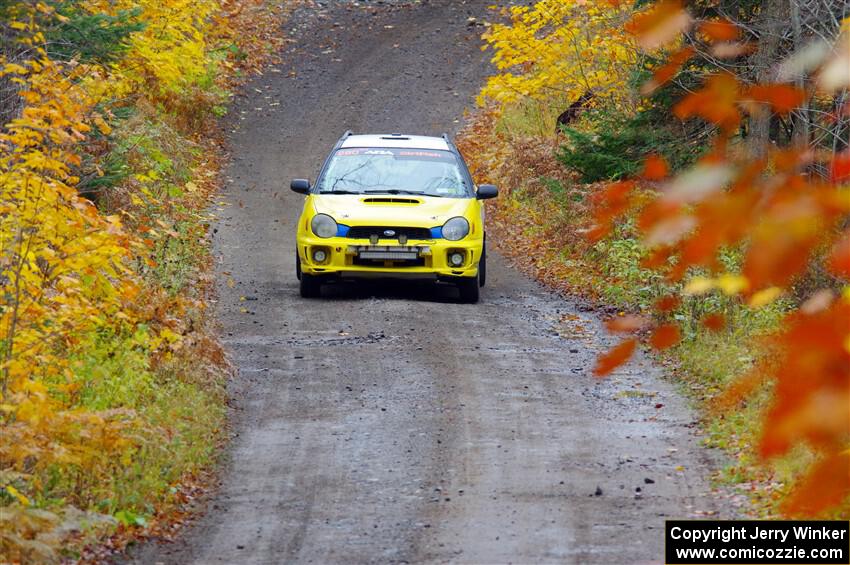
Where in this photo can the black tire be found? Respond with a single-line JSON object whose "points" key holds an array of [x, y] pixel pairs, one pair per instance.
{"points": [[469, 289], [482, 267], [311, 286], [297, 266]]}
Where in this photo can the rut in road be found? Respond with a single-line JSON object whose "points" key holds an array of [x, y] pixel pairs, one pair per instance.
{"points": [[386, 423]]}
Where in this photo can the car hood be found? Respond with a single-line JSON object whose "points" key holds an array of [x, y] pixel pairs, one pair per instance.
{"points": [[390, 209]]}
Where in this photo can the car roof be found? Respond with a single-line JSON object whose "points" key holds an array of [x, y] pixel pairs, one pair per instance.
{"points": [[396, 140]]}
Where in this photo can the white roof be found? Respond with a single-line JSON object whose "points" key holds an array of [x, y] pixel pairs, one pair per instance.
{"points": [[396, 140]]}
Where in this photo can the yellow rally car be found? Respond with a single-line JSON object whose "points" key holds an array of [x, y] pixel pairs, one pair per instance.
{"points": [[393, 206]]}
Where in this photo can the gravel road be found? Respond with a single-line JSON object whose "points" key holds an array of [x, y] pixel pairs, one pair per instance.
{"points": [[384, 422]]}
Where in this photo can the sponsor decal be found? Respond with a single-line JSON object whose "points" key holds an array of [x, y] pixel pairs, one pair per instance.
{"points": [[401, 154]]}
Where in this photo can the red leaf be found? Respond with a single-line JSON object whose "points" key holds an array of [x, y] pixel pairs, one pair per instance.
{"points": [[612, 200], [782, 97], [598, 232], [811, 382], [659, 25], [717, 102], [665, 72], [714, 322], [665, 336], [739, 389], [622, 324], [826, 485], [657, 212], [615, 357], [839, 257], [732, 50], [656, 259], [840, 168], [667, 303], [655, 168], [720, 30]]}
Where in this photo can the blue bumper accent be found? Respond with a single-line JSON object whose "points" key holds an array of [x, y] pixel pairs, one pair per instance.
{"points": [[342, 231]]}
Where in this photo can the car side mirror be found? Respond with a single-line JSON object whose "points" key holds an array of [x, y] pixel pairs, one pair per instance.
{"points": [[486, 191], [301, 186]]}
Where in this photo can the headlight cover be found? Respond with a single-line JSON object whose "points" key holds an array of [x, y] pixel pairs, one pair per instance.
{"points": [[456, 228], [323, 225]]}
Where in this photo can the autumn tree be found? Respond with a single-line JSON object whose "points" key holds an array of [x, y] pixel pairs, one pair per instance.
{"points": [[777, 206]]}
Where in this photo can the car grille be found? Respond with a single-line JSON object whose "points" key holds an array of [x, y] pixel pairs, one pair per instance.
{"points": [[388, 255], [363, 262], [366, 232]]}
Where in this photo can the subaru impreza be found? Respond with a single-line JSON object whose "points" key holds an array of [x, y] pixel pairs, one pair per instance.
{"points": [[393, 206]]}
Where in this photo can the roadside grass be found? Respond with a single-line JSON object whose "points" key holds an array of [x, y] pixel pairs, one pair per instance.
{"points": [[538, 222]]}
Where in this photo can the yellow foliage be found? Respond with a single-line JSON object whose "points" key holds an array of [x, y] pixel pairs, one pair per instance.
{"points": [[564, 48], [72, 277], [65, 272], [165, 57]]}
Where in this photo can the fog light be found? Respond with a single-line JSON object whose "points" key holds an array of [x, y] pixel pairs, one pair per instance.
{"points": [[319, 255], [456, 259]]}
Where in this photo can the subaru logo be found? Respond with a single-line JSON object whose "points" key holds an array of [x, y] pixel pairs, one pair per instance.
{"points": [[389, 233]]}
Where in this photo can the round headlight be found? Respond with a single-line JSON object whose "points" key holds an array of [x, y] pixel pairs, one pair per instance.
{"points": [[455, 229], [323, 225]]}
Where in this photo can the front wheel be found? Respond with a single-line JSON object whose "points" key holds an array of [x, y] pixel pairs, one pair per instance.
{"points": [[311, 286], [469, 289]]}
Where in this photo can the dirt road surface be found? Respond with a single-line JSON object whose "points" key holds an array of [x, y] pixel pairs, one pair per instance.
{"points": [[385, 423]]}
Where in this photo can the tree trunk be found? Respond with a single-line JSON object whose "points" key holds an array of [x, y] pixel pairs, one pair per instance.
{"points": [[10, 101], [801, 118], [769, 26]]}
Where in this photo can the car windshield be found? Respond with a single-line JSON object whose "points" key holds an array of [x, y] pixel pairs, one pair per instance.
{"points": [[394, 171]]}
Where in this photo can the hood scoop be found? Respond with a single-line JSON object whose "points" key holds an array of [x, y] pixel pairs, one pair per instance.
{"points": [[391, 200]]}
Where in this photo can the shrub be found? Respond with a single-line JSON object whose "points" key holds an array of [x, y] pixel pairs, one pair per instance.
{"points": [[611, 146], [90, 37]]}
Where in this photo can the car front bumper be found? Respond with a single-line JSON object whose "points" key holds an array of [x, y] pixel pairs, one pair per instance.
{"points": [[417, 259]]}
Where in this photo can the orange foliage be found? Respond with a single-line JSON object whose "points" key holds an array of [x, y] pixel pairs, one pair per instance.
{"points": [[612, 359], [665, 336], [625, 324], [714, 322], [667, 303], [812, 382], [610, 203], [822, 488], [839, 259], [717, 102], [720, 30], [840, 167], [785, 220], [659, 25], [655, 168], [782, 97], [664, 73]]}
